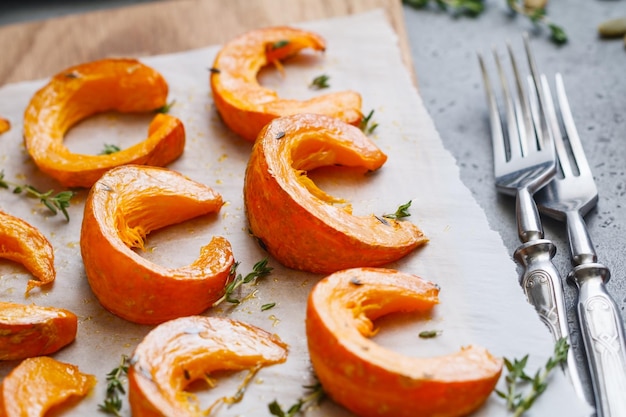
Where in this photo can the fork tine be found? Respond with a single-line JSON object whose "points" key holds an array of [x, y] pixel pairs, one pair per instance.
{"points": [[515, 146], [499, 151], [522, 110], [563, 156], [570, 128], [541, 129]]}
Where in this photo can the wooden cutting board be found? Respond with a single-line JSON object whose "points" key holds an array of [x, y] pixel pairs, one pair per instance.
{"points": [[40, 49]]}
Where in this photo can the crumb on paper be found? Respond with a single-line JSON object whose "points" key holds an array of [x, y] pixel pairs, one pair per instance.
{"points": [[5, 125]]}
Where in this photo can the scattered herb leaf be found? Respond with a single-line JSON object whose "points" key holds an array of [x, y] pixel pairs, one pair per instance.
{"points": [[320, 82], [367, 126], [518, 402], [167, 107], [54, 203], [267, 306], [115, 389], [109, 149], [280, 44], [259, 270], [315, 395], [401, 212], [429, 334]]}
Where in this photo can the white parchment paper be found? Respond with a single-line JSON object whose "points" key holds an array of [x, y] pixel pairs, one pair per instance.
{"points": [[481, 301]]}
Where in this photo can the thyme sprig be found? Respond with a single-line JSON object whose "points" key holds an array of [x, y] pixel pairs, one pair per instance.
{"points": [[259, 270], [320, 82], [518, 402], [401, 212], [315, 395], [115, 389], [367, 125], [54, 203]]}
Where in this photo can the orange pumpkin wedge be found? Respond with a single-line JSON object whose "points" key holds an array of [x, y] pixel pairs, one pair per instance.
{"points": [[245, 106], [39, 384], [181, 351], [25, 244], [296, 221], [370, 380], [30, 330], [124, 206], [122, 85]]}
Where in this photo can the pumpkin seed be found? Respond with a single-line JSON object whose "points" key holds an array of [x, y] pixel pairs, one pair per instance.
{"points": [[613, 28]]}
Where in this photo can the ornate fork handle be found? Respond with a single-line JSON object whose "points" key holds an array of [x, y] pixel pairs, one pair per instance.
{"points": [[542, 284], [600, 322]]}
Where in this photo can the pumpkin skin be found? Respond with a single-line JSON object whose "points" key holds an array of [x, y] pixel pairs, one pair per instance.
{"points": [[370, 380], [25, 244], [38, 384], [30, 330], [245, 106], [295, 220], [122, 207], [180, 351], [122, 85]]}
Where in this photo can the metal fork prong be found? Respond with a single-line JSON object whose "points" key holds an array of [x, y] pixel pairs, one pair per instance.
{"points": [[563, 157], [570, 127], [541, 129], [499, 151], [515, 147], [522, 110]]}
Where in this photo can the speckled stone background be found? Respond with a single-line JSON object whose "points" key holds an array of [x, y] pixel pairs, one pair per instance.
{"points": [[444, 50]]}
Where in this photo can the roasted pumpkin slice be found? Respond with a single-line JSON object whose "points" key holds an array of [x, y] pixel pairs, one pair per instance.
{"points": [[39, 384], [25, 244], [296, 221], [30, 330], [371, 380], [122, 207], [122, 85], [181, 351], [246, 106]]}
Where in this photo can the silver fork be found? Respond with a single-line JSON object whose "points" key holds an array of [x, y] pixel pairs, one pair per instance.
{"points": [[568, 198], [530, 165]]}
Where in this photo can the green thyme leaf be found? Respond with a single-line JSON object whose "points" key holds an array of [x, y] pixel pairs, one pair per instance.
{"points": [[268, 306], [166, 107], [401, 212], [429, 334], [109, 149], [320, 82]]}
